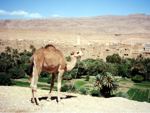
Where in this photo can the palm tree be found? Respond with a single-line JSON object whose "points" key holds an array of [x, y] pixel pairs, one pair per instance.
{"points": [[106, 84]]}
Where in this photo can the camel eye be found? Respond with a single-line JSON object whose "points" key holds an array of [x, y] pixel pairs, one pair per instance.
{"points": [[78, 52], [72, 53]]}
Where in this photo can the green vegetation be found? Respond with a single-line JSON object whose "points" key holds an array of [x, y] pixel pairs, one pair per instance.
{"points": [[137, 78], [144, 84], [139, 94], [79, 83], [5, 79], [135, 91], [22, 83], [129, 78], [115, 58], [13, 63]]}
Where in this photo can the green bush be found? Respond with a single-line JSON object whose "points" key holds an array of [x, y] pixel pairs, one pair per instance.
{"points": [[14, 62], [138, 78], [74, 73], [5, 79], [68, 87], [92, 67], [44, 74], [86, 89], [95, 66], [122, 94], [71, 74], [79, 84], [124, 68], [95, 92], [139, 94], [112, 68], [83, 90], [115, 58], [87, 78], [16, 72], [67, 76]]}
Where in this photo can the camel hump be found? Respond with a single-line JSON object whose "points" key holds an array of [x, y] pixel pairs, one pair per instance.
{"points": [[49, 46]]}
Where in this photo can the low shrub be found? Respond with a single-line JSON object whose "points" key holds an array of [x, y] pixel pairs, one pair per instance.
{"points": [[79, 84], [139, 94], [83, 90], [67, 76], [87, 78], [86, 89], [122, 94], [68, 87], [44, 74], [71, 74], [17, 72], [5, 79], [138, 78], [115, 58], [95, 92]]}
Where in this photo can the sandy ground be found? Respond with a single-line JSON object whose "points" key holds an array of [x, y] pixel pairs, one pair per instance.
{"points": [[17, 100]]}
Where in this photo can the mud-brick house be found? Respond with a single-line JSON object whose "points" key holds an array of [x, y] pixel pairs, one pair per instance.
{"points": [[137, 49], [125, 50], [146, 50]]}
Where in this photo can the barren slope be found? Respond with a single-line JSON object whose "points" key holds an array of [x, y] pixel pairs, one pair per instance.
{"points": [[130, 24], [89, 28]]}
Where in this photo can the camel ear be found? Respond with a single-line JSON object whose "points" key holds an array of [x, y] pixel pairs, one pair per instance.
{"points": [[72, 53]]}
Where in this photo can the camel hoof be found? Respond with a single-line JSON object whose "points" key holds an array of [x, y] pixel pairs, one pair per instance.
{"points": [[35, 100], [58, 99], [32, 100]]}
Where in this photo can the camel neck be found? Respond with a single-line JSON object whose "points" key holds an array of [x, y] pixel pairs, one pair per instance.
{"points": [[71, 64]]}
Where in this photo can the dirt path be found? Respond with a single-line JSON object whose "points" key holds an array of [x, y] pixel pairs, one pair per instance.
{"points": [[17, 100]]}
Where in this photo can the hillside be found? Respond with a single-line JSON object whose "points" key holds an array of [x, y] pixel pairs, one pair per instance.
{"points": [[87, 27], [131, 24], [113, 33], [17, 100]]}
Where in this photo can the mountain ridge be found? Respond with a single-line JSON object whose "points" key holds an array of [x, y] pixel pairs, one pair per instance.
{"points": [[137, 23]]}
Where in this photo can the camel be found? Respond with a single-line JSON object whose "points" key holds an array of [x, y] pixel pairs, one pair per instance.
{"points": [[51, 60]]}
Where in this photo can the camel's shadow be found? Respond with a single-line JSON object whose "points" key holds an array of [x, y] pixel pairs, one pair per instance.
{"points": [[55, 97]]}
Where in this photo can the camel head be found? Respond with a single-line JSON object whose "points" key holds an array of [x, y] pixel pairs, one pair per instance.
{"points": [[77, 54]]}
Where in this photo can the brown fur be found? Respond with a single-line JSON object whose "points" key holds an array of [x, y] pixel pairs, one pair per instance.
{"points": [[51, 60]]}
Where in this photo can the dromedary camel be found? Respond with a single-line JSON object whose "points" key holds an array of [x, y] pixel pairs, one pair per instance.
{"points": [[51, 60]]}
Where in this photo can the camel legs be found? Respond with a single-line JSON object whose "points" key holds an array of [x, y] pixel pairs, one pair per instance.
{"points": [[60, 74], [52, 85], [34, 80]]}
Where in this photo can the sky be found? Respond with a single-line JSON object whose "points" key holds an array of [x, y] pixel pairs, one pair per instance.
{"points": [[31, 9]]}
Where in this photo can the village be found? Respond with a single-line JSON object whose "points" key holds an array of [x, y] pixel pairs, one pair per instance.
{"points": [[91, 49]]}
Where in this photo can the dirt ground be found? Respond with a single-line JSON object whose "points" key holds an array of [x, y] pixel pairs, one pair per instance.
{"points": [[15, 99]]}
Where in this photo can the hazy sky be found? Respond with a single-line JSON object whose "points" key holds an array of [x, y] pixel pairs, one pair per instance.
{"points": [[10, 9]]}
